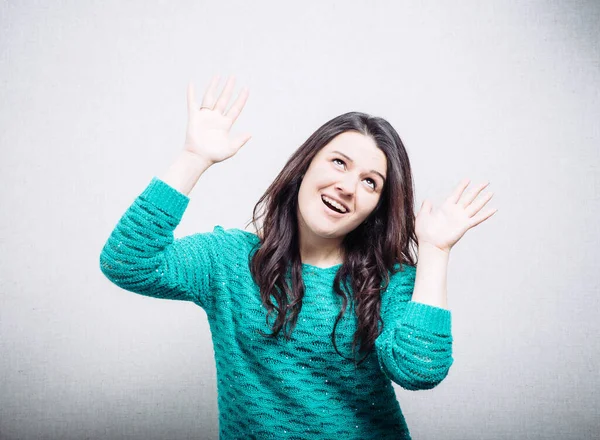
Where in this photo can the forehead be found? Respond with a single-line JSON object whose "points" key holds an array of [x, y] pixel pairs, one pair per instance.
{"points": [[360, 148]]}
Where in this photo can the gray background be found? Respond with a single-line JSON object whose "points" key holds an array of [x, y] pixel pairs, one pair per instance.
{"points": [[93, 106]]}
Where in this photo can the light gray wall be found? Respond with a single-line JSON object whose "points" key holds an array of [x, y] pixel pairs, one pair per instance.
{"points": [[92, 106]]}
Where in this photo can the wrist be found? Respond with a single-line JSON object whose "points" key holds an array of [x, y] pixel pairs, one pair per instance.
{"points": [[195, 160], [431, 248], [184, 172], [428, 252]]}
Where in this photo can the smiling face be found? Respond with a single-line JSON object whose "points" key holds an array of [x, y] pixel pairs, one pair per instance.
{"points": [[341, 187]]}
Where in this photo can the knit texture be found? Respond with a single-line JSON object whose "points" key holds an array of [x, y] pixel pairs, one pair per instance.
{"points": [[275, 388]]}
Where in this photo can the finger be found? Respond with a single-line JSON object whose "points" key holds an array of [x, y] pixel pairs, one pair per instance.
{"points": [[473, 194], [483, 217], [191, 99], [209, 97], [475, 207], [238, 105], [455, 196], [225, 95]]}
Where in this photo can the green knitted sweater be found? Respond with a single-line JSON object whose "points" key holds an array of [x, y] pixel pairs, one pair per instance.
{"points": [[275, 388]]}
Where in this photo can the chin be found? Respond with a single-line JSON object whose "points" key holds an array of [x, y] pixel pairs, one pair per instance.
{"points": [[327, 232], [321, 230], [320, 225]]}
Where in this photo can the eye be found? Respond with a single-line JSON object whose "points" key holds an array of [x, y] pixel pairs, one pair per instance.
{"points": [[374, 184], [339, 160]]}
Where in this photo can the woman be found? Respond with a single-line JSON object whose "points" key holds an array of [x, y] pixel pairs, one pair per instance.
{"points": [[330, 265]]}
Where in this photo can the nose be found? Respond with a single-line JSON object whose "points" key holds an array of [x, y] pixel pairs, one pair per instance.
{"points": [[346, 185]]}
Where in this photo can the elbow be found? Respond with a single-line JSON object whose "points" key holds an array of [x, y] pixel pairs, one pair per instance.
{"points": [[113, 268], [414, 367], [413, 377], [126, 272], [425, 379], [106, 265]]}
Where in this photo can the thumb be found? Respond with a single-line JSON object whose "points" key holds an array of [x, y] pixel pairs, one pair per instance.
{"points": [[239, 140], [425, 206]]}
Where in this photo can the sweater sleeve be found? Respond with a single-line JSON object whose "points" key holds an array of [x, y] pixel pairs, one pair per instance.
{"points": [[415, 348], [142, 256]]}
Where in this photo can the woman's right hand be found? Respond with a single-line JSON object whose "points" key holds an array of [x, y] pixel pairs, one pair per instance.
{"points": [[208, 126]]}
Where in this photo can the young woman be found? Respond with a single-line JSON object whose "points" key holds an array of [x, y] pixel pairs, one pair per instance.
{"points": [[329, 277]]}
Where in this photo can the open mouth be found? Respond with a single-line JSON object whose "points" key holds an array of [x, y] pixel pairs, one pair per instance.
{"points": [[333, 205]]}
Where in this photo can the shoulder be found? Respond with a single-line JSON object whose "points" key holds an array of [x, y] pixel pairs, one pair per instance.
{"points": [[234, 237], [221, 240], [221, 247]]}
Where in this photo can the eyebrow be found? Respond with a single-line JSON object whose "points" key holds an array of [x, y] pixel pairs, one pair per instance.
{"points": [[350, 160]]}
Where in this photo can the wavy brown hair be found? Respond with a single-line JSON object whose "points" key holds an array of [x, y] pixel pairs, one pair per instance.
{"points": [[371, 250]]}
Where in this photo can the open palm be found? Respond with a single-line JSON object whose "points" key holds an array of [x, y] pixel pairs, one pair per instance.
{"points": [[444, 226], [207, 134]]}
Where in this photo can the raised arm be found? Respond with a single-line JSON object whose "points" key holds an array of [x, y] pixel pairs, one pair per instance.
{"points": [[141, 254], [207, 139]]}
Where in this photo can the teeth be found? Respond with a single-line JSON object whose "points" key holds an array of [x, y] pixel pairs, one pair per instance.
{"points": [[334, 203]]}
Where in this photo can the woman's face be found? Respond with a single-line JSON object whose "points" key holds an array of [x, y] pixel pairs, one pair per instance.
{"points": [[341, 186]]}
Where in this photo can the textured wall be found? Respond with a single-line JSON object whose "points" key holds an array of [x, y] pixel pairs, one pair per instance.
{"points": [[92, 105]]}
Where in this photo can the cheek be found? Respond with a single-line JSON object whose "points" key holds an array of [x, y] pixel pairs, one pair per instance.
{"points": [[315, 182], [306, 195], [321, 172], [369, 205]]}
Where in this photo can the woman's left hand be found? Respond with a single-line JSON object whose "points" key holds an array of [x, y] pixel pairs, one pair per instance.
{"points": [[446, 225]]}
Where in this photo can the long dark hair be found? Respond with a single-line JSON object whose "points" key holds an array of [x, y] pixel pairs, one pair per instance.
{"points": [[385, 237]]}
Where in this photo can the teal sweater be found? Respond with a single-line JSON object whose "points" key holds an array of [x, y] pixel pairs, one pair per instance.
{"points": [[279, 389]]}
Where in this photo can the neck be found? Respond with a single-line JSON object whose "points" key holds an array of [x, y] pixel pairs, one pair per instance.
{"points": [[319, 251]]}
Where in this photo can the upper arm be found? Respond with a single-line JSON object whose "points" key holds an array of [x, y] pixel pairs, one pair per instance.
{"points": [[141, 254], [178, 269]]}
